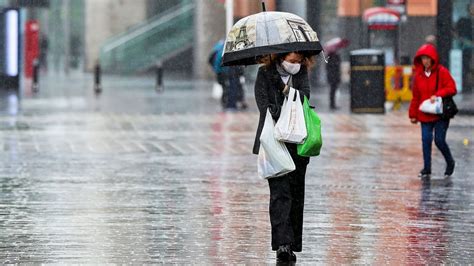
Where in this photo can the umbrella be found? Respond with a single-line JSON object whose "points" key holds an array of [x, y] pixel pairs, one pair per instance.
{"points": [[268, 33], [215, 58], [335, 44]]}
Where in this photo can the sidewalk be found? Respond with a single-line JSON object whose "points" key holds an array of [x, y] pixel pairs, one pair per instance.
{"points": [[81, 85], [136, 177], [320, 96]]}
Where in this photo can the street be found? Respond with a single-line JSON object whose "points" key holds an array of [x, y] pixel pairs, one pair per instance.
{"points": [[133, 176]]}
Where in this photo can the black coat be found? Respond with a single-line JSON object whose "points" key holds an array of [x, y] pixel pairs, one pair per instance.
{"points": [[268, 94], [333, 69]]}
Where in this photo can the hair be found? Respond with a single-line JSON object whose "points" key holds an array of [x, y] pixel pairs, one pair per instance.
{"points": [[268, 60]]}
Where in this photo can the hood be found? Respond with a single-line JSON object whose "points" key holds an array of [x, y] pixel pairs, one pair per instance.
{"points": [[428, 50]]}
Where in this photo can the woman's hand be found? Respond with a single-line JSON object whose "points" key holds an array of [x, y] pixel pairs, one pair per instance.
{"points": [[433, 99], [413, 120]]}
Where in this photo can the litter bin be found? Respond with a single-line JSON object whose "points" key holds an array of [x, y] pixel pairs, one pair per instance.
{"points": [[367, 81]]}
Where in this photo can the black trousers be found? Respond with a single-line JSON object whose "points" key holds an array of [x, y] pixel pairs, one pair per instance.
{"points": [[232, 90], [332, 94], [287, 204]]}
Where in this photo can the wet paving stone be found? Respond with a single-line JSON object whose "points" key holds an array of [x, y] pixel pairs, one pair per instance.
{"points": [[86, 186]]}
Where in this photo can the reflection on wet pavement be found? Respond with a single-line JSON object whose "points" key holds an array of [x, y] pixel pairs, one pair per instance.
{"points": [[88, 186]]}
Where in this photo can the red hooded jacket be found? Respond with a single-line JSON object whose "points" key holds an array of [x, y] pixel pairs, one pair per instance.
{"points": [[424, 87]]}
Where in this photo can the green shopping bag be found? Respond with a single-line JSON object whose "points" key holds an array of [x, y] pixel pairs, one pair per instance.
{"points": [[314, 141]]}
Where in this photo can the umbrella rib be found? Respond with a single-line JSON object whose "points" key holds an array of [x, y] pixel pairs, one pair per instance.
{"points": [[266, 28]]}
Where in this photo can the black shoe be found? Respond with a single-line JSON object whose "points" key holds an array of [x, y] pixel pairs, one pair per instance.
{"points": [[283, 253], [424, 173], [292, 257], [449, 170]]}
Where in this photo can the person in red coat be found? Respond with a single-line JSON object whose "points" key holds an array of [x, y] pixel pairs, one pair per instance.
{"points": [[431, 80]]}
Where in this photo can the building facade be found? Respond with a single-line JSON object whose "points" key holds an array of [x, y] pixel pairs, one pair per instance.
{"points": [[75, 30]]}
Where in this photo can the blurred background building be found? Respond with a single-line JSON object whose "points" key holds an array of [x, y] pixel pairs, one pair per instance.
{"points": [[131, 36]]}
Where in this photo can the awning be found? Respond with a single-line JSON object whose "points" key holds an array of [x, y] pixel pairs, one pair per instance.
{"points": [[380, 18]]}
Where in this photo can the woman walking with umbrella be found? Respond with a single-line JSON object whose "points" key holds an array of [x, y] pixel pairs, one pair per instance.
{"points": [[333, 67], [285, 44], [286, 192]]}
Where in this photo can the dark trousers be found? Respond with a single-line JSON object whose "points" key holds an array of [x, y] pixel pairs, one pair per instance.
{"points": [[223, 80], [287, 204], [240, 96], [232, 92], [232, 89], [332, 95], [440, 128]]}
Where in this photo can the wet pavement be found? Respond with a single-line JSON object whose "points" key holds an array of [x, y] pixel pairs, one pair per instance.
{"points": [[139, 177]]}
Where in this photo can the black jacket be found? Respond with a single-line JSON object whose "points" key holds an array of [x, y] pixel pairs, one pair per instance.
{"points": [[268, 94], [333, 69]]}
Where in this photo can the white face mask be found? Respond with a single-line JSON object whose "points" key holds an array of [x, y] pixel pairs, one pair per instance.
{"points": [[290, 67]]}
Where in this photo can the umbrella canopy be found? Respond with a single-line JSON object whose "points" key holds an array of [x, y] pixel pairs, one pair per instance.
{"points": [[335, 44], [215, 58], [268, 33]]}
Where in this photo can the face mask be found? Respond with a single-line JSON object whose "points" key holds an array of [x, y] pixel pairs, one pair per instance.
{"points": [[290, 67]]}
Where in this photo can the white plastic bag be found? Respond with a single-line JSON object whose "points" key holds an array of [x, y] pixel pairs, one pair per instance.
{"points": [[432, 108], [291, 126], [273, 156], [216, 91]]}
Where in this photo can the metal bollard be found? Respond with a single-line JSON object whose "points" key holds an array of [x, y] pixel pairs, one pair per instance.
{"points": [[35, 84], [159, 77], [97, 78]]}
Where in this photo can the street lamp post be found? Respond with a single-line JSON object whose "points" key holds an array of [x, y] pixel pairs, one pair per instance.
{"points": [[67, 36], [229, 15]]}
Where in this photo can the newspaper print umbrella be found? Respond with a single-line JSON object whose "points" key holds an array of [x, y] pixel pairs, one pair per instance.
{"points": [[268, 33]]}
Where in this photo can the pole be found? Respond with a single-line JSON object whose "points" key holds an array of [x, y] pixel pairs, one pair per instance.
{"points": [[361, 26], [263, 6], [229, 15], [97, 78], [444, 30], [35, 85], [67, 36], [159, 77], [313, 14]]}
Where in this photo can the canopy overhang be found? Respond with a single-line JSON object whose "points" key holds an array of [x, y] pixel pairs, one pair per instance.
{"points": [[380, 18]]}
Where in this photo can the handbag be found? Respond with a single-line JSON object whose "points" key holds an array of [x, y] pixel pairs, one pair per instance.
{"points": [[450, 108], [217, 91], [314, 141], [432, 108], [291, 126], [274, 159]]}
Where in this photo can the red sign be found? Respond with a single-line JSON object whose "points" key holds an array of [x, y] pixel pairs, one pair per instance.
{"points": [[396, 2], [31, 46]]}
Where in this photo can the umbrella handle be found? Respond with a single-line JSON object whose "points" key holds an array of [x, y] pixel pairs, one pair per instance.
{"points": [[324, 57]]}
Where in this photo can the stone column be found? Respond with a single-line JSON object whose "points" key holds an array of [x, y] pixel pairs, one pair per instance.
{"points": [[296, 7], [210, 27], [444, 30], [106, 18]]}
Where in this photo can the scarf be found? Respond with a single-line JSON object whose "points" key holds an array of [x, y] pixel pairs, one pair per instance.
{"points": [[282, 71]]}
